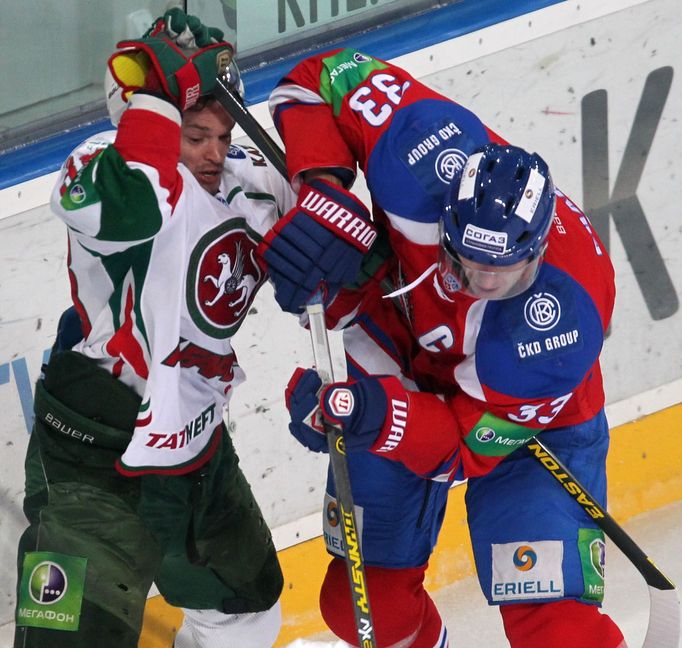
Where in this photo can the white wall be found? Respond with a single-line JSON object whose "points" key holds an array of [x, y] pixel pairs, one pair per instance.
{"points": [[527, 79]]}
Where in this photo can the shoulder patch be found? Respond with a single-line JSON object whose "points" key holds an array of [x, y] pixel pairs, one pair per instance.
{"points": [[346, 70], [541, 342], [414, 160], [236, 153]]}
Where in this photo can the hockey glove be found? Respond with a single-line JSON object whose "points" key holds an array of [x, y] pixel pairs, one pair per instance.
{"points": [[186, 31], [302, 401], [359, 408], [166, 61], [69, 330], [320, 242]]}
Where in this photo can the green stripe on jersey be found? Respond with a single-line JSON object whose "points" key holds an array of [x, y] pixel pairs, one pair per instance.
{"points": [[495, 437], [124, 219], [345, 71], [135, 260]]}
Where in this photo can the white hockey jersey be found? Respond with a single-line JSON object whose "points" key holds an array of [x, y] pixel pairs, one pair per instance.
{"points": [[162, 275]]}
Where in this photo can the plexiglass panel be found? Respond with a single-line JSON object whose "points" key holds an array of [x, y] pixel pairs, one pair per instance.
{"points": [[53, 57]]}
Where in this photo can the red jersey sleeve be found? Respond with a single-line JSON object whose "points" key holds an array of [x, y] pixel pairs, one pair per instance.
{"points": [[332, 108], [149, 134]]}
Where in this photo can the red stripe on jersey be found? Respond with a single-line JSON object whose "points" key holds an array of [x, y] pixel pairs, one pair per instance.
{"points": [[198, 462], [142, 422], [123, 343], [77, 303]]}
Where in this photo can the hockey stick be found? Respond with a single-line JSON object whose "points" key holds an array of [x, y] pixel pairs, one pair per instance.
{"points": [[355, 565], [236, 108], [663, 630]]}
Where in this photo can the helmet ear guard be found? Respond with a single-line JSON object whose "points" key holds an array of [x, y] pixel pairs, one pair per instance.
{"points": [[495, 222]]}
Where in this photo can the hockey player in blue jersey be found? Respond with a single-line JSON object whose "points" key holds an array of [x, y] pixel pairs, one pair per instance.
{"points": [[504, 292]]}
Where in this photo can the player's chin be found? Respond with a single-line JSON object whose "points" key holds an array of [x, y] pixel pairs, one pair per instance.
{"points": [[209, 181], [488, 292]]}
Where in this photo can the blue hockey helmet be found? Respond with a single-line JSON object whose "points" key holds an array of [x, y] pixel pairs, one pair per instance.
{"points": [[495, 223]]}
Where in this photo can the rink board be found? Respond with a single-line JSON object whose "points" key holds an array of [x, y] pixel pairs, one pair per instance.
{"points": [[644, 471]]}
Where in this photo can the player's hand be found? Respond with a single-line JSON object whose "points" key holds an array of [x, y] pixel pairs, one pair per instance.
{"points": [[302, 401], [69, 330], [358, 407], [186, 31], [177, 57], [320, 242]]}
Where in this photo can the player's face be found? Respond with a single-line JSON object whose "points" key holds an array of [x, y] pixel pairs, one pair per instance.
{"points": [[487, 281], [205, 140], [490, 282]]}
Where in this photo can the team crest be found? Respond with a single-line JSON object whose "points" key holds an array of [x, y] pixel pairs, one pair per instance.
{"points": [[236, 153], [449, 164], [223, 279]]}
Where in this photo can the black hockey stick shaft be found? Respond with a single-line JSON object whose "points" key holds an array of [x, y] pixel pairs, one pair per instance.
{"points": [[652, 575], [355, 565], [663, 629], [259, 136]]}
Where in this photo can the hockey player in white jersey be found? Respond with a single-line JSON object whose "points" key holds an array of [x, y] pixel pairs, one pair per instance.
{"points": [[131, 477]]}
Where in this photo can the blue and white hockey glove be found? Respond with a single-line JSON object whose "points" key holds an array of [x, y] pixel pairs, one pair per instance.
{"points": [[320, 242], [359, 408], [302, 401]]}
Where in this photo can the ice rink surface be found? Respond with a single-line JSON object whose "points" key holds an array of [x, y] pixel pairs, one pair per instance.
{"points": [[473, 624]]}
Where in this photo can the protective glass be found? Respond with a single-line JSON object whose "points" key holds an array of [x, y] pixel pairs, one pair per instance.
{"points": [[484, 281]]}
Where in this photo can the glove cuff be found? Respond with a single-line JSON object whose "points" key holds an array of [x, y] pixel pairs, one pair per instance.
{"points": [[339, 211], [395, 420], [157, 103]]}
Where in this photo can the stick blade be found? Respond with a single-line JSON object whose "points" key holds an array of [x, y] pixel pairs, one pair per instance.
{"points": [[664, 619]]}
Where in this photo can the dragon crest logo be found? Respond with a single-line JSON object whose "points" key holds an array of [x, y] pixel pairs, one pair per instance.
{"points": [[223, 279]]}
